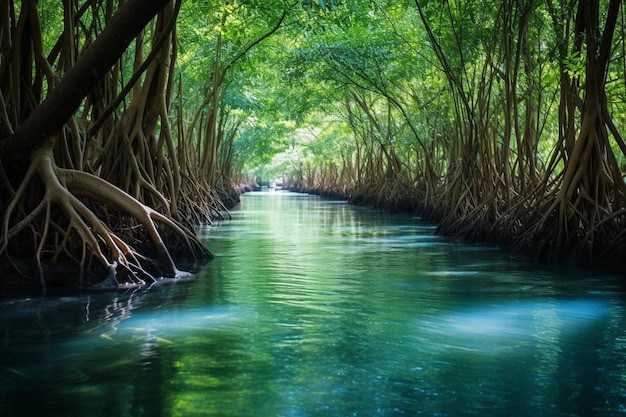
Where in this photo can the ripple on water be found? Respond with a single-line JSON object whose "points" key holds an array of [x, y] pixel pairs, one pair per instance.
{"points": [[318, 308]]}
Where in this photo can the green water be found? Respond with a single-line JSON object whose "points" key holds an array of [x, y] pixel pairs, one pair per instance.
{"points": [[317, 308]]}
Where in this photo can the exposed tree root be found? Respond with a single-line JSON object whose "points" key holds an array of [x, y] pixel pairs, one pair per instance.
{"points": [[64, 230], [580, 218]]}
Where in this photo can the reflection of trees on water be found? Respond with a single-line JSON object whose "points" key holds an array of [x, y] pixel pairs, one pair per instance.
{"points": [[363, 318], [296, 358]]}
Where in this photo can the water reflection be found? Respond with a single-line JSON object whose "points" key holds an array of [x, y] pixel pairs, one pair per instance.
{"points": [[321, 309]]}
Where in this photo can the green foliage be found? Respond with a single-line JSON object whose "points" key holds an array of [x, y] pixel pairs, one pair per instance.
{"points": [[294, 97], [51, 13]]}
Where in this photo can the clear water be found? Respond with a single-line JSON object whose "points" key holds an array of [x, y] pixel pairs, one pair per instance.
{"points": [[317, 308]]}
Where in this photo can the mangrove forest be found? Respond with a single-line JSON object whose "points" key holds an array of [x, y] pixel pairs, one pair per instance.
{"points": [[126, 125]]}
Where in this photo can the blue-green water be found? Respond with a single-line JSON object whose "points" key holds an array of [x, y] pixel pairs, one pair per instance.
{"points": [[317, 308]]}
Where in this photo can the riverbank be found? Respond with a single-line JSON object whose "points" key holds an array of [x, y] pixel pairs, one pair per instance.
{"points": [[482, 225]]}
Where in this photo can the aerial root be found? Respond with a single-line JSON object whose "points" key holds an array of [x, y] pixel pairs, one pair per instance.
{"points": [[85, 236]]}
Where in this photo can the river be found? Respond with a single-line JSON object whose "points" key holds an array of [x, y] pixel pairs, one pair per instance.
{"points": [[319, 308]]}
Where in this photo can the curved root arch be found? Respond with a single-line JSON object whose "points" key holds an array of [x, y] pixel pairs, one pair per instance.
{"points": [[77, 233]]}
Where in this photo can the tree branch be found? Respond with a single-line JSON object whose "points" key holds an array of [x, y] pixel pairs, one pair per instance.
{"points": [[65, 98]]}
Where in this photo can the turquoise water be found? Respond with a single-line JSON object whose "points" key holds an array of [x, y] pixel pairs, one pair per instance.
{"points": [[317, 308]]}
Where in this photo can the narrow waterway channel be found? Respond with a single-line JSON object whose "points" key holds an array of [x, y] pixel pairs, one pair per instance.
{"points": [[318, 308]]}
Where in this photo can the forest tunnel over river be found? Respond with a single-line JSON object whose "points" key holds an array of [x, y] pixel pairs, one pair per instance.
{"points": [[125, 126]]}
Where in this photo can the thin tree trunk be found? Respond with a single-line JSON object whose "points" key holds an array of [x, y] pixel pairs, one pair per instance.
{"points": [[63, 100]]}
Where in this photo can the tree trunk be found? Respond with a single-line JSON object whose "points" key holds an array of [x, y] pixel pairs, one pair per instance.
{"points": [[581, 220], [65, 98]]}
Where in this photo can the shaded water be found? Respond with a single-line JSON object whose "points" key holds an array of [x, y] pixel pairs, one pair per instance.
{"points": [[317, 308]]}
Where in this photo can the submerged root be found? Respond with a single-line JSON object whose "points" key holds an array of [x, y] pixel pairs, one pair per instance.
{"points": [[574, 231], [62, 234]]}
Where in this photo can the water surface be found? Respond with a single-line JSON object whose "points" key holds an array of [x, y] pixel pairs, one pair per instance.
{"points": [[317, 308]]}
